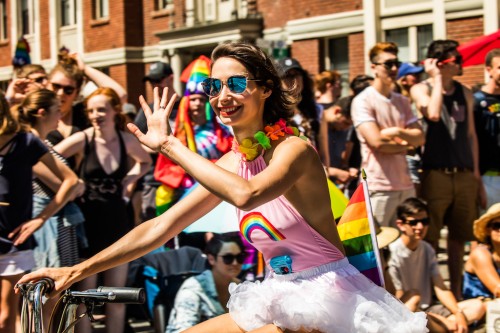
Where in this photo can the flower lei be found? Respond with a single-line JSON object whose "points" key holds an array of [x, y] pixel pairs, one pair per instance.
{"points": [[250, 149]]}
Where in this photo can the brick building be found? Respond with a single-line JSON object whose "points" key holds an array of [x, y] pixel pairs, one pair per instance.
{"points": [[124, 37]]}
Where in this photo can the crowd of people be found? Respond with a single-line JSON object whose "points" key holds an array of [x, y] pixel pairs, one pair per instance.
{"points": [[94, 195]]}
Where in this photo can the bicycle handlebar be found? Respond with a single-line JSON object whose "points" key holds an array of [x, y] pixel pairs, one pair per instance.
{"points": [[113, 295]]}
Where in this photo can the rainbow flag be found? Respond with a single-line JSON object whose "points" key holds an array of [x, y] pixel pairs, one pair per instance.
{"points": [[357, 232]]}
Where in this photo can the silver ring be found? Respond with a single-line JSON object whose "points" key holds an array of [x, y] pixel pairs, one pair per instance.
{"points": [[162, 107]]}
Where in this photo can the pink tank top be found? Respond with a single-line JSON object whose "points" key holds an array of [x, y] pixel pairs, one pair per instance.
{"points": [[276, 229]]}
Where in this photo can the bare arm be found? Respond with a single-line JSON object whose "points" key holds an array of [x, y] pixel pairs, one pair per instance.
{"points": [[72, 145], [482, 265], [101, 79], [430, 105], [446, 297], [141, 240], [371, 133], [412, 135], [62, 196], [142, 160]]}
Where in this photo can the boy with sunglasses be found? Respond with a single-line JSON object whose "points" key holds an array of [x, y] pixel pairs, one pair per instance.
{"points": [[451, 182], [413, 266], [387, 129]]}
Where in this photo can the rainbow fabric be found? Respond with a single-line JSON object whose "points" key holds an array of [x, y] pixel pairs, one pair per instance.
{"points": [[357, 232], [256, 221]]}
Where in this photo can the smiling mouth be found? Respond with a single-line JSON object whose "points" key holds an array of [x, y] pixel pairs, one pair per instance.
{"points": [[229, 111]]}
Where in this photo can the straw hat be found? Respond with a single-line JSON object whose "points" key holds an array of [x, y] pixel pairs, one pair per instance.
{"points": [[481, 224], [386, 235]]}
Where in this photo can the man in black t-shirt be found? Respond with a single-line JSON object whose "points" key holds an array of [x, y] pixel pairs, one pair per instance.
{"points": [[160, 75], [487, 121]]}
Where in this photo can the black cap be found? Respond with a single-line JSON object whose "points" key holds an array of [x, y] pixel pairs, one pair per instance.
{"points": [[287, 64], [158, 71]]}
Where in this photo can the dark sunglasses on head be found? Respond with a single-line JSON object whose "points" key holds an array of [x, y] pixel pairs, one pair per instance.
{"points": [[457, 59], [494, 226], [68, 90], [389, 64], [228, 259], [425, 221], [236, 84]]}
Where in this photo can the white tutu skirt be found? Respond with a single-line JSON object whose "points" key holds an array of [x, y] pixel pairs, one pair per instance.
{"points": [[332, 298]]}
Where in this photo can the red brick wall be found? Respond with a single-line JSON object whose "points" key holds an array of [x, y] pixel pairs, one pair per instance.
{"points": [[155, 21], [44, 29], [308, 53], [463, 30], [356, 54], [103, 34], [135, 86], [277, 12], [134, 27], [5, 47]]}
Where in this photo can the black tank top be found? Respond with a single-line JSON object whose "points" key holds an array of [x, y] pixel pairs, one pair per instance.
{"points": [[447, 142], [99, 184]]}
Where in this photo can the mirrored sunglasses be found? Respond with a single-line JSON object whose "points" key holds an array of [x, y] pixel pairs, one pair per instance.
{"points": [[228, 259], [236, 84], [425, 221], [68, 90], [389, 64]]}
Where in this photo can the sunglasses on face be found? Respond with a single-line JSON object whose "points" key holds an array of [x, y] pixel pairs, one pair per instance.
{"points": [[494, 226], [236, 84], [40, 79], [389, 64], [425, 221], [457, 59], [228, 259], [68, 90]]}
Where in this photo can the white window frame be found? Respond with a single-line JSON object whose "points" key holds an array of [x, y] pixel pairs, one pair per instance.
{"points": [[31, 18], [3, 20], [72, 13], [101, 9], [210, 10], [164, 4], [412, 41], [344, 73]]}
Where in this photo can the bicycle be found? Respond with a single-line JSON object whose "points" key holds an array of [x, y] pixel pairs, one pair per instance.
{"points": [[64, 317]]}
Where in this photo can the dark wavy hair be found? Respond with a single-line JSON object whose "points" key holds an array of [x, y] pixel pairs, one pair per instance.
{"points": [[215, 243], [259, 64], [441, 49]]}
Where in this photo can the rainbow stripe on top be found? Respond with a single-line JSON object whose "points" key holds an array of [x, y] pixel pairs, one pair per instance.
{"points": [[257, 221]]}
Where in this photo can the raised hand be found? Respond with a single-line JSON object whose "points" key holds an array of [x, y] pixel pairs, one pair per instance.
{"points": [[157, 120]]}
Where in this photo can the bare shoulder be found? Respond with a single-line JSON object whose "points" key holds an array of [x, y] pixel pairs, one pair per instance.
{"points": [[295, 146], [481, 254], [420, 88]]}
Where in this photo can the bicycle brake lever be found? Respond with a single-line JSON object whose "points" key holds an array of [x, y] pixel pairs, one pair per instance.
{"points": [[90, 311]]}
